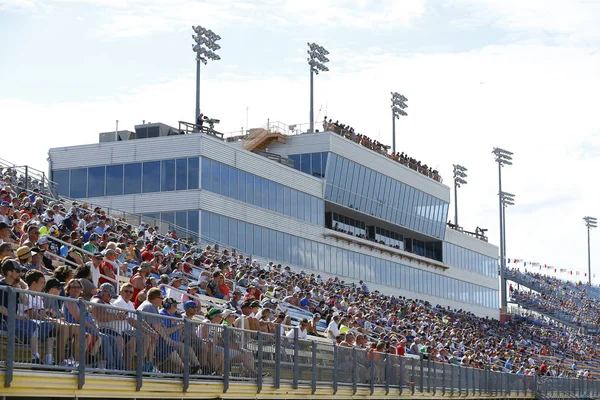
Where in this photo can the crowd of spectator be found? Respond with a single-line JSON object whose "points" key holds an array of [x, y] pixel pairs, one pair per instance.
{"points": [[85, 254], [348, 132], [569, 301]]}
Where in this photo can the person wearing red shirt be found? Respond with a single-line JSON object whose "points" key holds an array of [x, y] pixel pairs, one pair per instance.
{"points": [[400, 348], [107, 268], [147, 255]]}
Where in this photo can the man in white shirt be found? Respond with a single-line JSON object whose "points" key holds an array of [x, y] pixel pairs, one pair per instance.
{"points": [[302, 332], [332, 330]]}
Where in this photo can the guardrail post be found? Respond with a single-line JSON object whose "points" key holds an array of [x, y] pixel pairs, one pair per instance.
{"points": [[227, 358], [296, 346], [259, 377], [354, 372], [372, 373], [412, 376], [335, 368], [421, 378], [452, 380], [12, 329], [314, 367], [429, 374], [139, 359], [187, 338], [443, 379], [277, 379], [402, 366], [473, 382], [387, 374], [81, 344]]}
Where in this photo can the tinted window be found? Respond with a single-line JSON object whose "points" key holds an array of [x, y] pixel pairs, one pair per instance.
{"points": [[193, 173], [61, 178], [151, 177], [96, 181], [78, 182], [133, 178], [114, 180], [167, 175], [181, 174]]}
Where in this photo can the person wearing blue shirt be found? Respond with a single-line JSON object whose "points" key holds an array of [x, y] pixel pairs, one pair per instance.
{"points": [[305, 301], [174, 330]]}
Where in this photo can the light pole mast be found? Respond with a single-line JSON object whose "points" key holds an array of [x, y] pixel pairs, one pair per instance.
{"points": [[398, 106], [503, 157], [459, 179], [590, 222], [203, 37], [316, 60]]}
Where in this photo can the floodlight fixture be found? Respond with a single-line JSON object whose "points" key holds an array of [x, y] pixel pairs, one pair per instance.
{"points": [[204, 48], [316, 61], [590, 223], [398, 106], [459, 179]]}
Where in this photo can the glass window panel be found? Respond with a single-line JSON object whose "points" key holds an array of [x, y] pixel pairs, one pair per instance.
{"points": [[223, 179], [257, 190], [324, 156], [287, 248], [286, 200], [223, 229], [78, 182], [241, 231], [264, 193], [305, 163], [272, 196], [192, 223], [61, 177], [315, 161], [280, 247], [294, 250], [206, 181], [293, 203], [301, 205], [272, 249], [233, 183], [167, 175], [242, 186], [307, 207], [214, 227], [249, 238], [314, 210], [114, 180], [250, 188], [193, 173], [133, 178], [279, 203], [296, 159], [233, 234], [257, 246], [96, 181], [181, 174], [151, 177]]}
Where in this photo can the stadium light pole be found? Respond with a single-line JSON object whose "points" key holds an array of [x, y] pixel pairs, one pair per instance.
{"points": [[398, 106], [204, 48], [507, 200], [503, 157], [459, 179], [316, 60], [590, 222]]}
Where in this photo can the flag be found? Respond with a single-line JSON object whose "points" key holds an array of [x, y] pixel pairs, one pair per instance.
{"points": [[554, 270], [508, 259], [571, 272]]}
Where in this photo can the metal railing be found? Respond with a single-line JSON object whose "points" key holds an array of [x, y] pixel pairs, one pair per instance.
{"points": [[53, 333], [29, 174]]}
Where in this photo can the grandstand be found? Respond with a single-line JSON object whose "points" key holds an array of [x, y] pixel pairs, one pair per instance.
{"points": [[238, 325]]}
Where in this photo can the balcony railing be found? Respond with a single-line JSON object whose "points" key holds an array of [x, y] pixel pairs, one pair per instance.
{"points": [[88, 338]]}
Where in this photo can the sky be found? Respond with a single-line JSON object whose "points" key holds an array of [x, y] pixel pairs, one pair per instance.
{"points": [[522, 75]]}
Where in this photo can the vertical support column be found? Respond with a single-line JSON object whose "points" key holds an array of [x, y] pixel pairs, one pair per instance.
{"points": [[197, 113], [226, 358], [335, 369], [81, 344], [277, 379], [26, 177], [452, 367], [422, 377], [387, 374], [10, 339], [393, 133], [354, 371], [443, 379], [259, 374], [296, 346], [139, 359], [501, 212], [187, 338], [372, 371], [412, 371], [313, 366], [402, 366]]}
